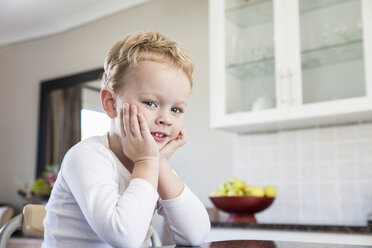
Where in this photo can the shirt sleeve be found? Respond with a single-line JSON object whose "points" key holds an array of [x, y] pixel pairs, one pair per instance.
{"points": [[186, 218], [120, 220]]}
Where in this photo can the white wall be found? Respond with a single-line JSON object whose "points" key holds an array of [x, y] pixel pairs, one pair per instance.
{"points": [[203, 163]]}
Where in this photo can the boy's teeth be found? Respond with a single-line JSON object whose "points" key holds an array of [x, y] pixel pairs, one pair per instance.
{"points": [[158, 135]]}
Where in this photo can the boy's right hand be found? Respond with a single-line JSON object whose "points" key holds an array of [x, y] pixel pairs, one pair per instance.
{"points": [[137, 142]]}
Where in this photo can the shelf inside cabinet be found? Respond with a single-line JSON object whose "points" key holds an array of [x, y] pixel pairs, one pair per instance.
{"points": [[249, 13], [246, 13], [316, 57], [309, 6], [255, 68], [347, 51]]}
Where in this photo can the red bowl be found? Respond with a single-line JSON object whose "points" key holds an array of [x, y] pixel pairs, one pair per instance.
{"points": [[241, 208]]}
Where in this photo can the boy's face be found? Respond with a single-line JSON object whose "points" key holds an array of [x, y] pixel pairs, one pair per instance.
{"points": [[160, 92]]}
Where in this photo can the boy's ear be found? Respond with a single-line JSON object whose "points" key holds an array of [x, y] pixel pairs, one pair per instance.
{"points": [[108, 101]]}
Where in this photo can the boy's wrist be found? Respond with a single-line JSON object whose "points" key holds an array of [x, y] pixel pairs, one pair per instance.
{"points": [[147, 169], [146, 158], [148, 162], [164, 164], [163, 159]]}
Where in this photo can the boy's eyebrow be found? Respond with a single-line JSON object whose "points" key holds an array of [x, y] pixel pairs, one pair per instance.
{"points": [[159, 95]]}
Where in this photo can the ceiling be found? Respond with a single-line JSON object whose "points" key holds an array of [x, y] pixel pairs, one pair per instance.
{"points": [[22, 20]]}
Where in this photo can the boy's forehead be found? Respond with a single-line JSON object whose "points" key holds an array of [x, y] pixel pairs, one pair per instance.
{"points": [[153, 75], [155, 69]]}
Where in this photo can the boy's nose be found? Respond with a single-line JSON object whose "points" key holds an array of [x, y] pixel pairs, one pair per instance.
{"points": [[163, 119]]}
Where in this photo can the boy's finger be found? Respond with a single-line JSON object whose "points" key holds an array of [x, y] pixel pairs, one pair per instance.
{"points": [[184, 139], [145, 131], [126, 119], [134, 125], [181, 138], [182, 131], [184, 136], [122, 128]]}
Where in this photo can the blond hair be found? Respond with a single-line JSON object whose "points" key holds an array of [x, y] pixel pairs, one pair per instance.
{"points": [[143, 46]]}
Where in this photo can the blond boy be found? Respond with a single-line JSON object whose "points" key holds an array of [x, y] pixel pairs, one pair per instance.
{"points": [[109, 186]]}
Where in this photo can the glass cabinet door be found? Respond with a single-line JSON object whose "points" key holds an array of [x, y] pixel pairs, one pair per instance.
{"points": [[249, 55], [331, 50]]}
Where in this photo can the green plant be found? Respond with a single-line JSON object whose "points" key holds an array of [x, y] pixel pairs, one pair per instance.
{"points": [[41, 187]]}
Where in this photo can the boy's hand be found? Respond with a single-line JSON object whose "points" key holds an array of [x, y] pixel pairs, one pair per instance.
{"points": [[137, 142], [173, 145]]}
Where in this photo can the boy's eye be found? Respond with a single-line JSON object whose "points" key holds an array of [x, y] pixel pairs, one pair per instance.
{"points": [[177, 110], [150, 104]]}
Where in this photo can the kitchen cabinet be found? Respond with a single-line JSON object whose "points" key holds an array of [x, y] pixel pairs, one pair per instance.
{"points": [[282, 64]]}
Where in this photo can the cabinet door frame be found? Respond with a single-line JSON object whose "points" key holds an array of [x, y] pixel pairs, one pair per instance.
{"points": [[367, 37], [288, 61], [290, 112], [340, 111], [249, 121], [217, 62]]}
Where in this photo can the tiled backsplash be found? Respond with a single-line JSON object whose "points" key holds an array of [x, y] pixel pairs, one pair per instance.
{"points": [[322, 175]]}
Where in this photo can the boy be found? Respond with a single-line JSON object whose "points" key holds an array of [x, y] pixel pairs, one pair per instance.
{"points": [[109, 186]]}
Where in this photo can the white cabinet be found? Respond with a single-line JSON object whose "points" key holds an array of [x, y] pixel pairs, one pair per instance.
{"points": [[280, 64]]}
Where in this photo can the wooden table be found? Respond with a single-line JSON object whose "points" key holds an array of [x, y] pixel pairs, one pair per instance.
{"points": [[23, 242], [269, 244]]}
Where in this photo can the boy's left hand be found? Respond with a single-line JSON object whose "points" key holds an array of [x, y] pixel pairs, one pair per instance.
{"points": [[173, 145]]}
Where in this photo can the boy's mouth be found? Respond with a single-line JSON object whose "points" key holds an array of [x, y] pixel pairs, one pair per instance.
{"points": [[159, 136]]}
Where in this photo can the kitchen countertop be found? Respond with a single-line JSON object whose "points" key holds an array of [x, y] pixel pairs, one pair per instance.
{"points": [[269, 244], [296, 227]]}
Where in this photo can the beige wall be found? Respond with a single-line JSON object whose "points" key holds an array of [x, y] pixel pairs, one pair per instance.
{"points": [[202, 163]]}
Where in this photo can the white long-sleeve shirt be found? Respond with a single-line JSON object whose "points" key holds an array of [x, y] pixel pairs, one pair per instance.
{"points": [[95, 203]]}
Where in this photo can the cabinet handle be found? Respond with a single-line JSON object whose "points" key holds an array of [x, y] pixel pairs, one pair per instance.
{"points": [[288, 77], [282, 76], [290, 86]]}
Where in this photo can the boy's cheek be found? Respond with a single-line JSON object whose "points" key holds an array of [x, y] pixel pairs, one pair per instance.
{"points": [[146, 115]]}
